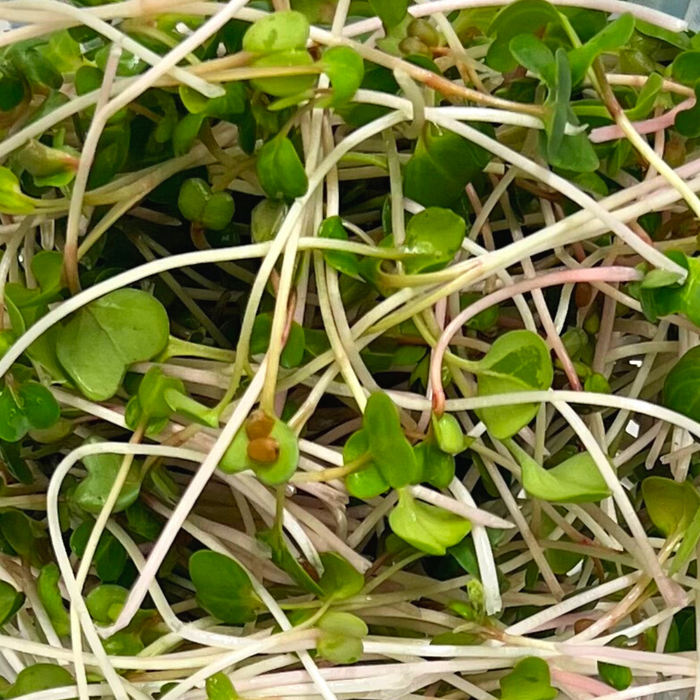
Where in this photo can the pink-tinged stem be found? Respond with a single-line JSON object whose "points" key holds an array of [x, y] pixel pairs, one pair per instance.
{"points": [[579, 682], [648, 126], [598, 274]]}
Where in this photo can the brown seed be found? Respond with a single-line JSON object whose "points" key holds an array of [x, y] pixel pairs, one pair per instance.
{"points": [[265, 450], [259, 425], [581, 625], [583, 295]]}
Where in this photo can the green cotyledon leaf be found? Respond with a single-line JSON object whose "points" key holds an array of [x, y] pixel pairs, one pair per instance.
{"points": [[575, 480], [517, 361], [427, 528], [223, 587], [101, 340], [387, 444]]}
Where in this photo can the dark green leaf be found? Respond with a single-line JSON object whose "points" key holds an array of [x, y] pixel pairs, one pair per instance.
{"points": [[280, 170], [10, 602], [441, 166], [347, 263], [223, 587], [391, 12]]}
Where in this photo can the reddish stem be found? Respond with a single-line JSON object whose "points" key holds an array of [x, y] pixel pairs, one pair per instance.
{"points": [[608, 274]]}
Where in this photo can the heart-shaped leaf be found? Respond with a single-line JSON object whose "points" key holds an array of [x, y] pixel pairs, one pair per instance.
{"points": [[437, 467], [427, 528], [517, 361], [671, 505], [50, 596], [223, 587], [575, 480], [529, 680], [388, 446], [340, 638], [91, 494], [101, 340]]}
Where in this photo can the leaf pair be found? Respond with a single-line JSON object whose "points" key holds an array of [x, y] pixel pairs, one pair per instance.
{"points": [[391, 461], [198, 204]]}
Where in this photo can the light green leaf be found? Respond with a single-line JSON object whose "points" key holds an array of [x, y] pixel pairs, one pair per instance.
{"points": [[670, 505], [50, 596], [101, 340], [517, 361], [576, 480], [427, 528], [529, 680]]}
